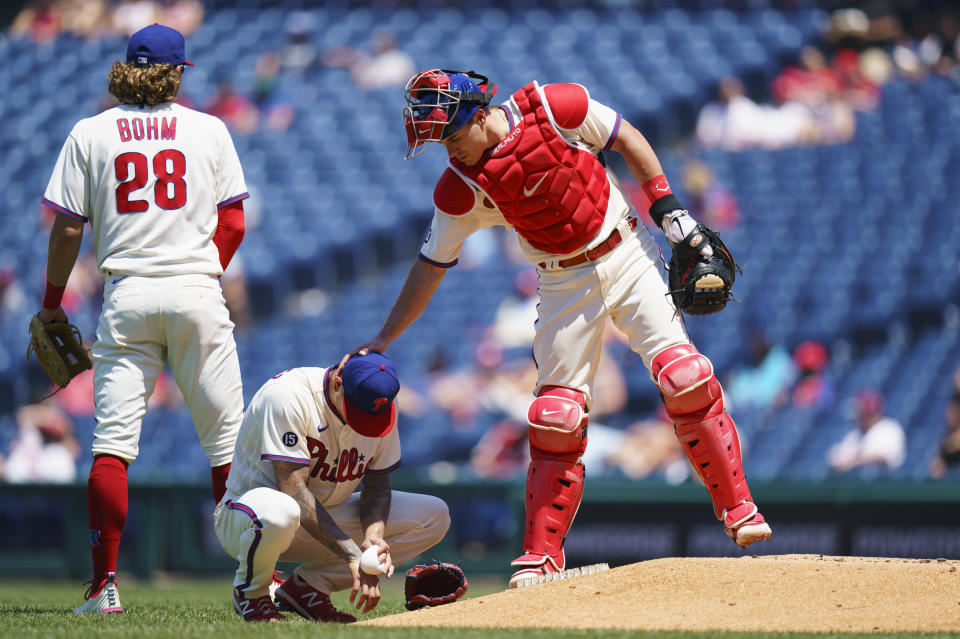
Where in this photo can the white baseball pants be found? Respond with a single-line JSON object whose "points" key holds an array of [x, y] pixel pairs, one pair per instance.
{"points": [[262, 526], [629, 285], [147, 322]]}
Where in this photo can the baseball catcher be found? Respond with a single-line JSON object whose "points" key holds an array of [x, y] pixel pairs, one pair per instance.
{"points": [[702, 269], [434, 584], [59, 349]]}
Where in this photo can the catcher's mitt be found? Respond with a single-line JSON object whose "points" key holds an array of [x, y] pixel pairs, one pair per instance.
{"points": [[701, 285], [434, 584], [59, 349]]}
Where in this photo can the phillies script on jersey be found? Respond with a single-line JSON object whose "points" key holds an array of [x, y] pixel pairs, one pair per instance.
{"points": [[349, 467]]}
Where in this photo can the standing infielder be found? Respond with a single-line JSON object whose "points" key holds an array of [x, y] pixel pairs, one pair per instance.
{"points": [[309, 438], [534, 164], [162, 188]]}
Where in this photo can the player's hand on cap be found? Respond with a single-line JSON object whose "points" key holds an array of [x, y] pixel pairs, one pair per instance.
{"points": [[376, 345], [678, 226]]}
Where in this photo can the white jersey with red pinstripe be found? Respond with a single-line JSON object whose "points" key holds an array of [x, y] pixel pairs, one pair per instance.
{"points": [[461, 208], [292, 418], [150, 181]]}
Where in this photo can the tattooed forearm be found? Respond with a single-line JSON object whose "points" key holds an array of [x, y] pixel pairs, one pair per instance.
{"points": [[374, 500], [292, 480]]}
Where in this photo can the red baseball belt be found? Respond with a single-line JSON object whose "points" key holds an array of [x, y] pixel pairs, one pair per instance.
{"points": [[596, 252]]}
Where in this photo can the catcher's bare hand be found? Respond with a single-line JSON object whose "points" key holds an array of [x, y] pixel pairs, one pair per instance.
{"points": [[48, 315], [366, 588], [376, 345]]}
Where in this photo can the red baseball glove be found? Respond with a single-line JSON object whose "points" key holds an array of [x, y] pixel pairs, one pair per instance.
{"points": [[434, 584]]}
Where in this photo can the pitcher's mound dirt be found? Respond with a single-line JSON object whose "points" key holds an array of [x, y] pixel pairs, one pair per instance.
{"points": [[808, 593]]}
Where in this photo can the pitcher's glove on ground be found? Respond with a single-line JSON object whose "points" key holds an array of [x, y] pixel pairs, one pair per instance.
{"points": [[701, 284], [434, 584], [59, 349]]}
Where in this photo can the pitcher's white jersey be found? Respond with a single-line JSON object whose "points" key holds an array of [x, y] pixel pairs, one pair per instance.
{"points": [[150, 181], [292, 418]]}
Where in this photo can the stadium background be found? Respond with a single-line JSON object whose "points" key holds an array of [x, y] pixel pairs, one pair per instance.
{"points": [[852, 245]]}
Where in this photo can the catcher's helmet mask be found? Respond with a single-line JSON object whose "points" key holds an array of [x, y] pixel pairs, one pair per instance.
{"points": [[440, 101]]}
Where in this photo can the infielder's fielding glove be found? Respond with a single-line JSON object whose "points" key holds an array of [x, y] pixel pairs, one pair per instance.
{"points": [[434, 584], [59, 349], [701, 285]]}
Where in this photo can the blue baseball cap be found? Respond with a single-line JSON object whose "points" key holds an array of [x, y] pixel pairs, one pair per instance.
{"points": [[370, 384], [462, 83], [156, 44]]}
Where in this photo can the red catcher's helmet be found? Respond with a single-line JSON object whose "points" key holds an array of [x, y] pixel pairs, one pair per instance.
{"points": [[440, 101]]}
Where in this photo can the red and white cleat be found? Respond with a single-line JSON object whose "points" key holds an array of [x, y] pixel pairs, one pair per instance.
{"points": [[745, 525], [534, 567], [308, 602], [256, 609], [101, 598]]}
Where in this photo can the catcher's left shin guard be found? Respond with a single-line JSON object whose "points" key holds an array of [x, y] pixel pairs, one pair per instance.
{"points": [[694, 401], [554, 479]]}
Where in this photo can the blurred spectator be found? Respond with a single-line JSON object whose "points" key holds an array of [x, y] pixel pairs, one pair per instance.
{"points": [[234, 108], [766, 377], [878, 441], [807, 81], [44, 449], [502, 452], [813, 387], [948, 455], [298, 52], [276, 108], [40, 21], [11, 294], [733, 122], [129, 16], [387, 66], [648, 448], [516, 313], [185, 16], [857, 89], [708, 199], [85, 18]]}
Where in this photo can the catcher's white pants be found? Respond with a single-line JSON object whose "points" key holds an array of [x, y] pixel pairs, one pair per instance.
{"points": [[630, 285], [262, 526], [146, 323]]}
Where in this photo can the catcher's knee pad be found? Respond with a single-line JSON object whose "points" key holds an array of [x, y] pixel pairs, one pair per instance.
{"points": [[553, 492], [691, 392], [558, 423]]}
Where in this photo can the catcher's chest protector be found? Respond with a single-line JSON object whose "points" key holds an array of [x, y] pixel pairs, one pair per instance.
{"points": [[554, 194]]}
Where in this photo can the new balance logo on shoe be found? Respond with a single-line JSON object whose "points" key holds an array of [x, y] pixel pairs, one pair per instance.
{"points": [[256, 609]]}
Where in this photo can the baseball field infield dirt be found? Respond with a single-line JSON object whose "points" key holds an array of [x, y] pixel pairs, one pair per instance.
{"points": [[803, 593]]}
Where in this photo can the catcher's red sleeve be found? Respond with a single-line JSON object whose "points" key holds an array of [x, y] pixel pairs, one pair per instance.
{"points": [[229, 233]]}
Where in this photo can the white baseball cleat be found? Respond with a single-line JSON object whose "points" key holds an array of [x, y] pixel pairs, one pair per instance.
{"points": [[745, 525], [106, 599]]}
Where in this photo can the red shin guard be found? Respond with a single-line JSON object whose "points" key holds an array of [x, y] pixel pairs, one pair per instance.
{"points": [[713, 449], [554, 490]]}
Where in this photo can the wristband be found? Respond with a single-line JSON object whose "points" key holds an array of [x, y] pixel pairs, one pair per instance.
{"points": [[53, 296], [656, 188]]}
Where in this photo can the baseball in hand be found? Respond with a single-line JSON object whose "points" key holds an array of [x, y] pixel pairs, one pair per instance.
{"points": [[370, 561]]}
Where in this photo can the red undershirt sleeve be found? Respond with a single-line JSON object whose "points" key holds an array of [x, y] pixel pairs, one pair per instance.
{"points": [[229, 231]]}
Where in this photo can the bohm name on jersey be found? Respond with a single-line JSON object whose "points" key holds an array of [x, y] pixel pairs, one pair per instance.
{"points": [[147, 128]]}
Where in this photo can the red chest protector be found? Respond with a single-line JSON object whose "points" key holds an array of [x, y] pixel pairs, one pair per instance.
{"points": [[554, 194]]}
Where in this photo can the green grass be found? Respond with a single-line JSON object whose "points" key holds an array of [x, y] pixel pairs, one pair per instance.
{"points": [[165, 608]]}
